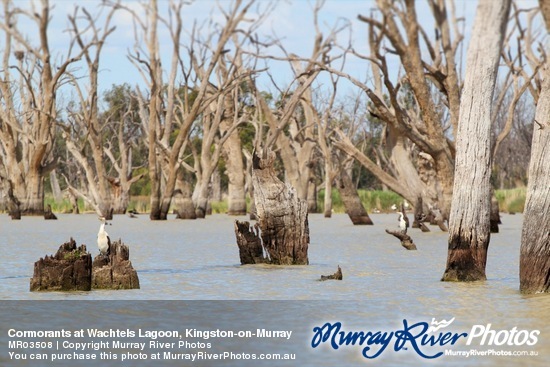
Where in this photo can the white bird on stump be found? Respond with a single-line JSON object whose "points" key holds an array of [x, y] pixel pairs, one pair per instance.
{"points": [[402, 223], [103, 240]]}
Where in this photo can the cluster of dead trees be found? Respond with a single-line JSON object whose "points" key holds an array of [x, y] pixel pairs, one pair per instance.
{"points": [[202, 108]]}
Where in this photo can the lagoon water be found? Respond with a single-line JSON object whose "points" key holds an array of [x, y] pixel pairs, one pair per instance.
{"points": [[196, 264]]}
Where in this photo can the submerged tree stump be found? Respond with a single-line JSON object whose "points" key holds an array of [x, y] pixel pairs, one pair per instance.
{"points": [[114, 271], [406, 240], [282, 218], [48, 214], [70, 269], [335, 276]]}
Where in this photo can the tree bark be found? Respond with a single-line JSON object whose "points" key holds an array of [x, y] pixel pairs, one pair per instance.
{"points": [[185, 208], [469, 231], [249, 241], [114, 271], [70, 269], [282, 216], [406, 240], [348, 193], [534, 261]]}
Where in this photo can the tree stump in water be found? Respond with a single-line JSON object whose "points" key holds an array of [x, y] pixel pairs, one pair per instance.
{"points": [[335, 276], [251, 250], [114, 271], [69, 270], [406, 240], [282, 218], [351, 200], [48, 214]]}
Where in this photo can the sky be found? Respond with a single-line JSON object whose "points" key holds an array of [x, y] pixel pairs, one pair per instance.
{"points": [[291, 21]]}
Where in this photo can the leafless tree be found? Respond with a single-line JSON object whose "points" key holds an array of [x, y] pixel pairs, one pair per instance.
{"points": [[535, 236], [87, 131], [170, 119], [469, 230], [429, 66], [29, 84]]}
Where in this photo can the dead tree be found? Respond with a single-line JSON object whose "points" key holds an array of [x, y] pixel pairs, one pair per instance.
{"points": [[406, 240], [70, 269], [351, 200], [29, 84], [282, 218], [469, 230], [534, 262], [86, 130]]}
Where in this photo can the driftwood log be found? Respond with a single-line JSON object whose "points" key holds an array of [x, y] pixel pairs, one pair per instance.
{"points": [[70, 269], [282, 218], [114, 271], [406, 240], [335, 276]]}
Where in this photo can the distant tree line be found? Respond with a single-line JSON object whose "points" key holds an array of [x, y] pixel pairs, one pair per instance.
{"points": [[189, 131]]}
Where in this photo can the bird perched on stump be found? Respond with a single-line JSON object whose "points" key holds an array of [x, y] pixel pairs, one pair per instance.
{"points": [[103, 240]]}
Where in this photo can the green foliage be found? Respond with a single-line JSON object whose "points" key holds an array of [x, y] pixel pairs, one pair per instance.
{"points": [[143, 186], [219, 207], [63, 206], [512, 200], [371, 199]]}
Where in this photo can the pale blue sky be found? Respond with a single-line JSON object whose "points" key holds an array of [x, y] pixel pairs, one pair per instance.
{"points": [[292, 21]]}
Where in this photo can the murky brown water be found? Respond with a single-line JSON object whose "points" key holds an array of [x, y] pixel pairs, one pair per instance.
{"points": [[383, 283]]}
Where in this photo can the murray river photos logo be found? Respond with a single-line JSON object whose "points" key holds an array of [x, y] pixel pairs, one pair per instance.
{"points": [[426, 339]]}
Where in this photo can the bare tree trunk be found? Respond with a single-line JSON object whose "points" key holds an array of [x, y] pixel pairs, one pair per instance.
{"points": [[348, 193], [534, 261], [56, 190], [312, 196], [469, 231], [28, 109], [328, 190], [282, 215], [232, 151], [185, 208]]}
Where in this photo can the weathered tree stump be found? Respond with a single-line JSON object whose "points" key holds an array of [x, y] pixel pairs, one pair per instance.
{"points": [[114, 271], [282, 216], [69, 270], [251, 250], [406, 240], [48, 214], [351, 200], [335, 276]]}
